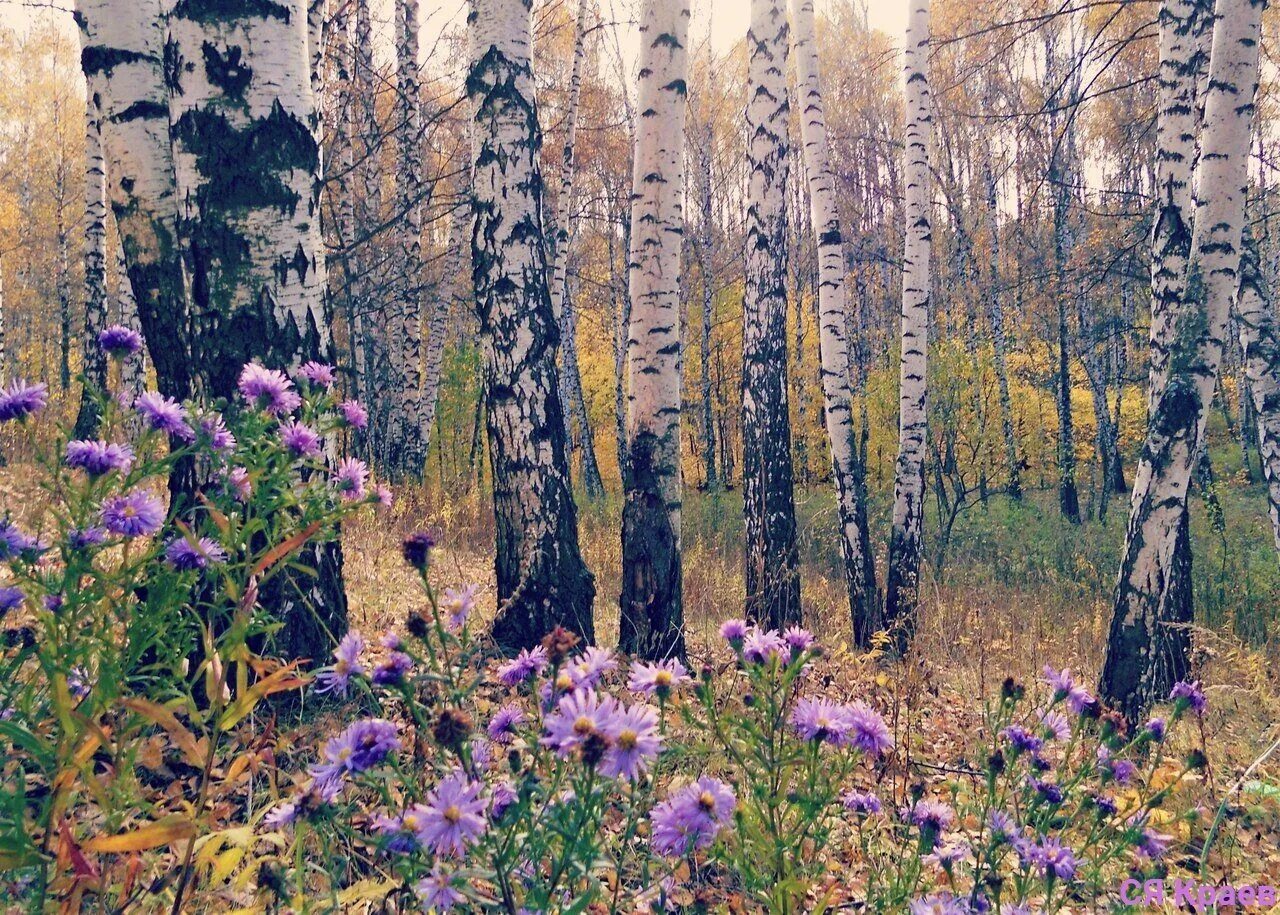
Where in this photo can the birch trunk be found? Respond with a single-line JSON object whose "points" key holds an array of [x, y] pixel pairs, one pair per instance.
{"points": [[94, 360], [833, 347], [240, 88], [133, 373], [772, 577], [1261, 346], [1148, 644], [903, 582], [406, 454], [575, 401], [706, 280], [542, 580], [651, 606], [458, 278], [123, 46], [366, 289], [999, 342]]}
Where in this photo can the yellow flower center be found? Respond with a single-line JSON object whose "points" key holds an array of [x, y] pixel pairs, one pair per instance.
{"points": [[564, 681], [452, 813], [663, 678], [706, 801], [583, 726], [344, 754], [410, 822], [628, 739]]}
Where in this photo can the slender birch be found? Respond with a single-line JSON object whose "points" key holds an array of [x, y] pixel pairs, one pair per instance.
{"points": [[1148, 643], [542, 580], [902, 585], [999, 340], [859, 565], [1261, 346], [93, 359], [458, 279], [772, 577], [133, 372], [651, 607]]}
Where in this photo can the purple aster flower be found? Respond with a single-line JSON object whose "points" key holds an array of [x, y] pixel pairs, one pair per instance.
{"points": [[501, 797], [502, 727], [1060, 681], [800, 640], [238, 484], [391, 641], [437, 891], [863, 802], [382, 494], [1056, 859], [454, 817], [1156, 728], [1056, 725], [164, 414], [1122, 770], [83, 538], [282, 814], [214, 431], [134, 514], [939, 904], [868, 732], [821, 720], [78, 683], [692, 817], [392, 670], [346, 665], [657, 679], [97, 458], [10, 599], [1151, 845], [1001, 825], [119, 342], [183, 554], [587, 668], [481, 752], [1009, 908], [1106, 805], [317, 373], [523, 666], [52, 602], [946, 856], [634, 742], [764, 645], [401, 832], [353, 414], [20, 400], [350, 478], [457, 605], [14, 543], [363, 745], [301, 440], [579, 715], [1022, 740], [734, 632], [267, 389], [1188, 694], [934, 816], [1048, 790]]}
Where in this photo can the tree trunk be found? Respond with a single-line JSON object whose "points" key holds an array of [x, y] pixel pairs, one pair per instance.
{"points": [[772, 576], [458, 279], [368, 284], [706, 279], [651, 610], [859, 565], [542, 580], [574, 399], [62, 262], [902, 586], [1148, 644], [93, 359], [240, 87], [999, 341], [1261, 346], [133, 372], [123, 44]]}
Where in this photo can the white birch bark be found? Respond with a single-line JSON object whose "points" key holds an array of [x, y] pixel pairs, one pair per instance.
{"points": [[93, 360], [1261, 347], [1148, 644], [902, 586], [833, 346], [772, 576], [542, 580], [123, 47], [133, 373], [367, 283], [651, 607]]}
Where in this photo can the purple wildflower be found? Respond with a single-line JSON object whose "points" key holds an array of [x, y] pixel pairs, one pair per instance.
{"points": [[20, 400], [800, 640], [657, 679], [1055, 724], [164, 414], [10, 599], [934, 816], [350, 478], [1106, 805], [1022, 740], [1001, 825], [502, 727], [1122, 770], [868, 731], [363, 745], [764, 645], [119, 342], [353, 414], [692, 817], [579, 715], [947, 856], [391, 641], [78, 683], [382, 494], [734, 632], [282, 814], [267, 389], [301, 440], [346, 665], [587, 668], [454, 816], [133, 514], [1151, 845], [939, 904], [392, 671], [1056, 859], [317, 373], [214, 430], [83, 538], [1048, 790], [1188, 694], [524, 665], [183, 554], [400, 831], [437, 892], [1156, 728], [863, 802], [502, 796], [457, 605], [97, 458], [821, 720], [634, 742]]}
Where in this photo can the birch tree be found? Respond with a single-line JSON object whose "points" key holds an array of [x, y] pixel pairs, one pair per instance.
{"points": [[542, 580], [1261, 347], [859, 564], [651, 607], [903, 580], [246, 163], [1148, 641], [94, 360]]}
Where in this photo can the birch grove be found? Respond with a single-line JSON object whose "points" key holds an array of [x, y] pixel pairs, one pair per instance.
{"points": [[1261, 349], [903, 576]]}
